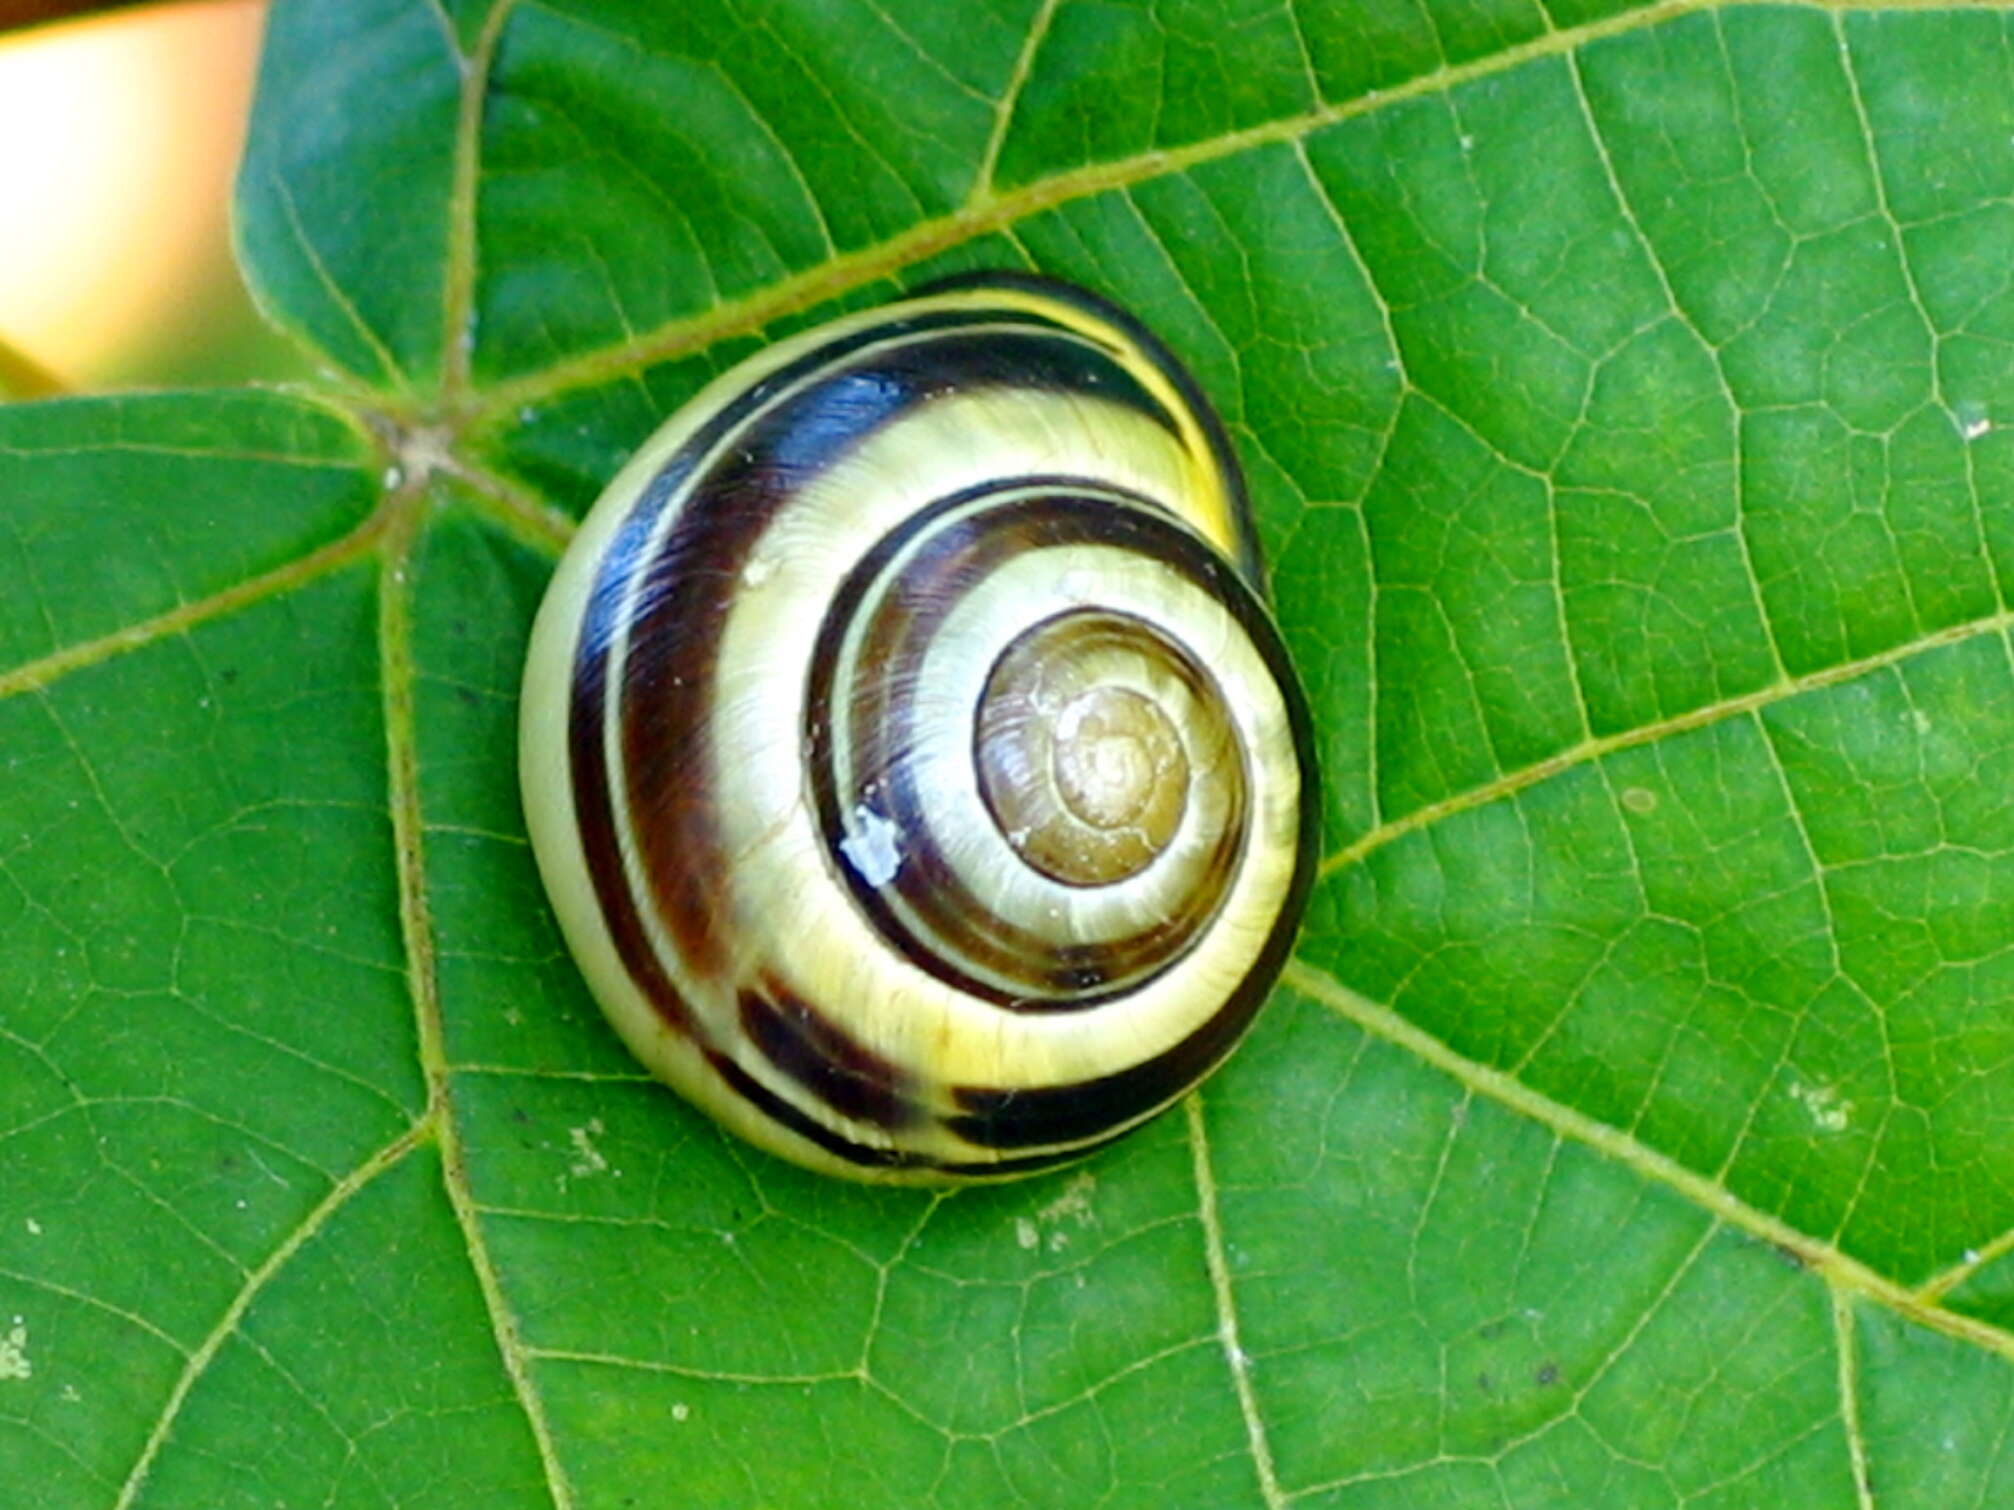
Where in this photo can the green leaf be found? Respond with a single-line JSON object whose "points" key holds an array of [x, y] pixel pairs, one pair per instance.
{"points": [[1629, 399]]}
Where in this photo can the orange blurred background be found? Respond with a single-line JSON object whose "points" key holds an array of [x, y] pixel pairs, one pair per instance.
{"points": [[119, 136]]}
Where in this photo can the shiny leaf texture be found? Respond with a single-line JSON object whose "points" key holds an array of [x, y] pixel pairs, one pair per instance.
{"points": [[1629, 398]]}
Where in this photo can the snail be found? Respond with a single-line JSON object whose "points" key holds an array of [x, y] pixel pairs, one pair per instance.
{"points": [[915, 770]]}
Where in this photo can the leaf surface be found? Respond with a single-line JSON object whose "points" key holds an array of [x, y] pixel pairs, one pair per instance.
{"points": [[1627, 394]]}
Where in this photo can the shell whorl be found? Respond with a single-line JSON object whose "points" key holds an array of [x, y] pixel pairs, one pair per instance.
{"points": [[913, 765]]}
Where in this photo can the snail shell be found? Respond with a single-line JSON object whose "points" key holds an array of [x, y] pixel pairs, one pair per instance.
{"points": [[915, 770]]}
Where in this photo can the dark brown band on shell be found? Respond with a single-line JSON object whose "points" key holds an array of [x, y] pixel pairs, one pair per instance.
{"points": [[867, 1156], [651, 640], [675, 598], [1045, 975], [1051, 1114], [838, 1071], [1194, 400]]}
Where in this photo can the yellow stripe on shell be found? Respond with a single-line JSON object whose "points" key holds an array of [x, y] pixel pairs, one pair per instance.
{"points": [[814, 940]]}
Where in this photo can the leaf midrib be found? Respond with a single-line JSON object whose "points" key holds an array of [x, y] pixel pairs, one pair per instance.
{"points": [[397, 667]]}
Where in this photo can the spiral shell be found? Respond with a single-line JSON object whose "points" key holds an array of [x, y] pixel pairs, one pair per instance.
{"points": [[914, 768]]}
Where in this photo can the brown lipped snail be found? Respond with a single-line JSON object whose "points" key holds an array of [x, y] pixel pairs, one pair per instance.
{"points": [[915, 769]]}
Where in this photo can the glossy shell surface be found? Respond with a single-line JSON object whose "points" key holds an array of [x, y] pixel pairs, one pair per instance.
{"points": [[907, 749]]}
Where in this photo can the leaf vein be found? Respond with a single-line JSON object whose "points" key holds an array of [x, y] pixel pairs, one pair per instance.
{"points": [[1218, 1264], [1836, 1268], [1704, 716], [416, 925], [983, 213], [254, 1283]]}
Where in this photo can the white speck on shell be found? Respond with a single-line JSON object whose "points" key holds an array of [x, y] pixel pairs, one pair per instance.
{"points": [[874, 848]]}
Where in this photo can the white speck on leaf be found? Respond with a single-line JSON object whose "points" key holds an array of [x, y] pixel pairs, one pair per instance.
{"points": [[34, 1227], [1829, 1110], [587, 1158], [1045, 1227], [681, 1411], [14, 1362], [1074, 1202]]}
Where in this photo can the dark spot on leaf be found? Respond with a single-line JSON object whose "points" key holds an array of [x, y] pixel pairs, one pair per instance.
{"points": [[1483, 1383], [1548, 1373]]}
